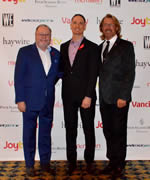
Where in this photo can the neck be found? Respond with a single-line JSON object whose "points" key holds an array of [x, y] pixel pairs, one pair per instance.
{"points": [[77, 37]]}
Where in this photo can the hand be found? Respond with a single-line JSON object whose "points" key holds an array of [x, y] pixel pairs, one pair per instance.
{"points": [[121, 103], [21, 106], [86, 103]]}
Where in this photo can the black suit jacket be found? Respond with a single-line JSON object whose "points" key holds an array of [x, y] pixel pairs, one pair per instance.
{"points": [[116, 75], [79, 80]]}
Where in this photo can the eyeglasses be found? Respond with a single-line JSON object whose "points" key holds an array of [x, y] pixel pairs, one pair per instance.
{"points": [[109, 25], [43, 35]]}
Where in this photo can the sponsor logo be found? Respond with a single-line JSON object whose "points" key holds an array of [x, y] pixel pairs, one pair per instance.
{"points": [[9, 108], [145, 1], [141, 104], [11, 63], [115, 3], [66, 20], [15, 42], [82, 146], [13, 146], [55, 41], [138, 145], [89, 1], [8, 20], [99, 20], [143, 22], [140, 128], [142, 64], [37, 20], [10, 83], [9, 125], [14, 1], [50, 3], [148, 84], [146, 42]]}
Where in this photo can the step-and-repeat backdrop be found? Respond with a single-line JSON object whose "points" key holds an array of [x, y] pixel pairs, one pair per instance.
{"points": [[18, 20]]}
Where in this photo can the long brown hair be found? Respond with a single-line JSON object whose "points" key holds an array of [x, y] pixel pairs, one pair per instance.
{"points": [[116, 22]]}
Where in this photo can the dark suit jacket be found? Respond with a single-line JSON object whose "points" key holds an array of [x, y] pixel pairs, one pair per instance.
{"points": [[116, 75], [80, 79], [31, 83]]}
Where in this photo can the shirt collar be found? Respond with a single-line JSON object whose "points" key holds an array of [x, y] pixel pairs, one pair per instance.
{"points": [[112, 40], [77, 42]]}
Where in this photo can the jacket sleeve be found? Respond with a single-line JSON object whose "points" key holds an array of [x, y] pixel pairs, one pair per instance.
{"points": [[19, 76], [92, 70], [129, 73]]}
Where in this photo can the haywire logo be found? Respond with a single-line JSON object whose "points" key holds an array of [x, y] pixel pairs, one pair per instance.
{"points": [[14, 1], [142, 64], [13, 146], [89, 1], [15, 42], [146, 42], [8, 20], [145, 1], [66, 20], [115, 3], [141, 21], [140, 104]]}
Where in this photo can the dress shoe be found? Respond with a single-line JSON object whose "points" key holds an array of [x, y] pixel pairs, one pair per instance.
{"points": [[108, 169], [30, 171], [118, 172], [45, 167], [90, 168], [71, 168]]}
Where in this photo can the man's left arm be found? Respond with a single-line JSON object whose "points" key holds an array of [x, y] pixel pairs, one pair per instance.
{"points": [[129, 76], [92, 74]]}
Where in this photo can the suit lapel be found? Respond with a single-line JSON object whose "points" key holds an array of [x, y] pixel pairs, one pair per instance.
{"points": [[38, 58]]}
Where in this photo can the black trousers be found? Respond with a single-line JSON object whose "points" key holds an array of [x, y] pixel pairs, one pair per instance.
{"points": [[71, 108], [115, 131]]}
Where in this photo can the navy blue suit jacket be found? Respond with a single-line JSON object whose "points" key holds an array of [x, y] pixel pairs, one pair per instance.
{"points": [[32, 85]]}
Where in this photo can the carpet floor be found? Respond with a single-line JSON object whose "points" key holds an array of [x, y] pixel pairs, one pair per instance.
{"points": [[15, 170]]}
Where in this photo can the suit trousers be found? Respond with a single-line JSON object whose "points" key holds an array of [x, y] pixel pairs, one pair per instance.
{"points": [[44, 135], [71, 123], [115, 131]]}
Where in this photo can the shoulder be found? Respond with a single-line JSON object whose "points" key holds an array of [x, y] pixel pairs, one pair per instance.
{"points": [[125, 43], [89, 43], [65, 43]]}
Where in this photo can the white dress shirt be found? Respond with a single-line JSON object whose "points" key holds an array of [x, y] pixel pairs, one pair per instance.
{"points": [[112, 41], [46, 59]]}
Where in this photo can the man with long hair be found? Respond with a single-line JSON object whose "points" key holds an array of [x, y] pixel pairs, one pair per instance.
{"points": [[116, 78]]}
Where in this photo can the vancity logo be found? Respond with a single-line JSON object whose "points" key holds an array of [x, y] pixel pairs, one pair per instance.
{"points": [[66, 20], [141, 21], [140, 104], [8, 20], [13, 146], [14, 1]]}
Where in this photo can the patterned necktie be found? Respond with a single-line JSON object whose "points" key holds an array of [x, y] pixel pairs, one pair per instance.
{"points": [[105, 52]]}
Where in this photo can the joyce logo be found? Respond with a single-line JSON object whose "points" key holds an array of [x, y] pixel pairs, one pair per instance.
{"points": [[115, 3], [14, 146], [143, 22], [8, 20], [146, 42], [14, 1], [140, 104]]}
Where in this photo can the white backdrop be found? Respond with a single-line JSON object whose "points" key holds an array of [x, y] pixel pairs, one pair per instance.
{"points": [[19, 18]]}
